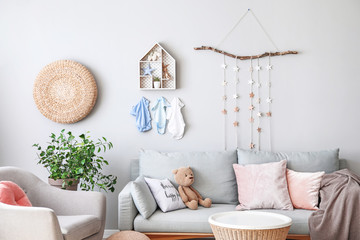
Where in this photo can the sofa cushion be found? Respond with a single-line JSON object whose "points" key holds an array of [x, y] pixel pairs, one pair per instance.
{"points": [[165, 194], [327, 160], [214, 175], [143, 198], [79, 226], [262, 186], [186, 220], [304, 188]]}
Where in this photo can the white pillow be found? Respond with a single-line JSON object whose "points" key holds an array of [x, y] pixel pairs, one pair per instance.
{"points": [[165, 194]]}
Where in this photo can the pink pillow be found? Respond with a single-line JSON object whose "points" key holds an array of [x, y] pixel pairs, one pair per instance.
{"points": [[262, 186], [304, 188], [12, 194]]}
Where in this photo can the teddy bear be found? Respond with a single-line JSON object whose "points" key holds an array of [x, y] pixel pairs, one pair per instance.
{"points": [[184, 176]]}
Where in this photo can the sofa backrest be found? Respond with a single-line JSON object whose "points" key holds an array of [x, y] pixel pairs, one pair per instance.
{"points": [[134, 169], [327, 160], [213, 171], [214, 175]]}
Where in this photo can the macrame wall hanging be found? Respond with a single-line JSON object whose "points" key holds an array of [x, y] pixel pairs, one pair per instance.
{"points": [[259, 102]]}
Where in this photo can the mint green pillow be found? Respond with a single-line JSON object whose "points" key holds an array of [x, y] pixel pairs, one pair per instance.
{"points": [[142, 197]]}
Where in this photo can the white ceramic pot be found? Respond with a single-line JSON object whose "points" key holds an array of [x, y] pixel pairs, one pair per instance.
{"points": [[157, 84]]}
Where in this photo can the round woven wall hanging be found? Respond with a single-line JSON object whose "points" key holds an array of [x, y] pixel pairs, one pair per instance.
{"points": [[65, 91]]}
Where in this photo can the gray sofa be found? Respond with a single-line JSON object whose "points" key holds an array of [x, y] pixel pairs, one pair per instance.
{"points": [[214, 178]]}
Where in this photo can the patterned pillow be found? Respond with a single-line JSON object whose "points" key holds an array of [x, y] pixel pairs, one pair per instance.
{"points": [[165, 194]]}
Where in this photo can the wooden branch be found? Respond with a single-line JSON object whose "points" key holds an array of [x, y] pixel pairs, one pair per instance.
{"points": [[245, 57]]}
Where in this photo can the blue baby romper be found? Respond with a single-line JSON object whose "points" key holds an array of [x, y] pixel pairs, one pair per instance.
{"points": [[142, 114], [159, 112]]}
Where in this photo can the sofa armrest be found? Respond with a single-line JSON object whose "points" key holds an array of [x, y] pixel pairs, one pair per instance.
{"points": [[18, 223], [127, 209]]}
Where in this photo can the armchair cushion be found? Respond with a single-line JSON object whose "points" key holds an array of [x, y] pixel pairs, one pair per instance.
{"points": [[79, 226], [12, 194]]}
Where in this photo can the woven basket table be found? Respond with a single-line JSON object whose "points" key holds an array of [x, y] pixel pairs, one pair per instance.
{"points": [[65, 91], [249, 225]]}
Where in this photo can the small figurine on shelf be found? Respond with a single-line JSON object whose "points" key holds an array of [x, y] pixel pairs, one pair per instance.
{"points": [[166, 74], [154, 56], [157, 83], [148, 70]]}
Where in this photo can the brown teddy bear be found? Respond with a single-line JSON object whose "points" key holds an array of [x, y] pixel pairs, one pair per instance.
{"points": [[184, 176]]}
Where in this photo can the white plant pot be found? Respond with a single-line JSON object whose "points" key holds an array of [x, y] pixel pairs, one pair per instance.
{"points": [[157, 84]]}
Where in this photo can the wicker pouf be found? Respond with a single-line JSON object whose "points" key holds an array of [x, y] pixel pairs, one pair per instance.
{"points": [[249, 225], [128, 235]]}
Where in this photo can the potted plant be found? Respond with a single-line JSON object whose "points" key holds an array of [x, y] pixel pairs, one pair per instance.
{"points": [[70, 160], [157, 83]]}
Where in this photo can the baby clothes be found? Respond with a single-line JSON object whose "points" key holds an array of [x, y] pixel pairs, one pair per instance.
{"points": [[176, 124], [159, 113], [142, 114]]}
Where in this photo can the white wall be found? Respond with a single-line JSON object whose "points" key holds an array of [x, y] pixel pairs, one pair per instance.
{"points": [[316, 93]]}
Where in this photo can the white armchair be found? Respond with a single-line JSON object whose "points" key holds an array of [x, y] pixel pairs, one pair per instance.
{"points": [[56, 214]]}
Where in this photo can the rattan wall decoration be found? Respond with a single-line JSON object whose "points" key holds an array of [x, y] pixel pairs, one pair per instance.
{"points": [[65, 91]]}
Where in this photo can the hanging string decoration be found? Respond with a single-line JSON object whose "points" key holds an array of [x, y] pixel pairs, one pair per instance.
{"points": [[236, 108], [224, 98], [256, 105], [269, 99], [251, 107], [258, 102]]}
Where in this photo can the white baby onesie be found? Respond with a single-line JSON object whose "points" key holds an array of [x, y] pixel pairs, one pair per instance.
{"points": [[176, 123]]}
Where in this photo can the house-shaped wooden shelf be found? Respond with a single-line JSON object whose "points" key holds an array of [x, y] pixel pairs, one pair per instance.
{"points": [[163, 67]]}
